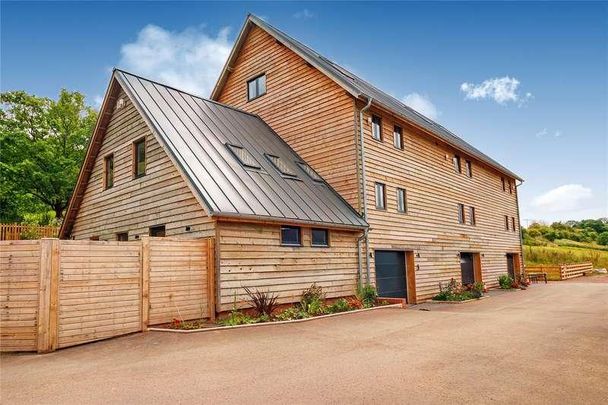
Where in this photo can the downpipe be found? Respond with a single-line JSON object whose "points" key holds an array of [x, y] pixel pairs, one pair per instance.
{"points": [[363, 184]]}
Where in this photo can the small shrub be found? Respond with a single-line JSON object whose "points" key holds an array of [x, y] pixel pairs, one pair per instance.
{"points": [[340, 305], [263, 302], [477, 290], [292, 313], [354, 303], [505, 281], [367, 294], [313, 299], [236, 318]]}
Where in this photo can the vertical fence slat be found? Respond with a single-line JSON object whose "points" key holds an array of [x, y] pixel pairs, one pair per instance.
{"points": [[145, 282], [211, 277], [47, 298]]}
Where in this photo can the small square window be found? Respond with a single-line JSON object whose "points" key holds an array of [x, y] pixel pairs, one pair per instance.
{"points": [[108, 172], [456, 162], [122, 236], [472, 219], [380, 196], [401, 200], [243, 156], [377, 127], [469, 168], [256, 87], [320, 237], [291, 235], [398, 137], [158, 230], [461, 213], [281, 166], [139, 157]]}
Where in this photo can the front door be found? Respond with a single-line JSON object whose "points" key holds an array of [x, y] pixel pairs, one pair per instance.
{"points": [[511, 265], [390, 274], [466, 268]]}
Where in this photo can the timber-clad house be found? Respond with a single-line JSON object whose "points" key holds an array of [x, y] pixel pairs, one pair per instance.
{"points": [[303, 172]]}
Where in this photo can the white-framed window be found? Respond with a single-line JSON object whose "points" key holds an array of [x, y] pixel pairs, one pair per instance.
{"points": [[461, 213], [380, 196], [401, 200], [398, 137], [457, 165], [472, 218], [377, 127], [256, 87]]}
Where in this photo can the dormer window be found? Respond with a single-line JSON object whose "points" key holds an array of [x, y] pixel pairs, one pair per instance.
{"points": [[256, 87], [243, 156], [281, 166]]}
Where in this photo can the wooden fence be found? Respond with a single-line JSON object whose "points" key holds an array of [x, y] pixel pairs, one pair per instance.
{"points": [[21, 232], [562, 271], [59, 293]]}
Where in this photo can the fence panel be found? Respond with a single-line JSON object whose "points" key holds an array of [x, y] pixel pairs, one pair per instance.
{"points": [[22, 232], [178, 281], [59, 293], [19, 284], [99, 290], [575, 270]]}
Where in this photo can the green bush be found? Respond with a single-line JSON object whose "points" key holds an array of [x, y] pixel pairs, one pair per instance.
{"points": [[477, 290], [340, 305], [602, 239], [505, 281], [367, 294], [236, 318], [313, 300], [292, 313]]}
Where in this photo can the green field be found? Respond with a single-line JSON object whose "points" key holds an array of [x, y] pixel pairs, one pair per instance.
{"points": [[560, 254]]}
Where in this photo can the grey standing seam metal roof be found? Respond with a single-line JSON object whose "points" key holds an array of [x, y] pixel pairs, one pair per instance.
{"points": [[361, 88], [195, 132]]}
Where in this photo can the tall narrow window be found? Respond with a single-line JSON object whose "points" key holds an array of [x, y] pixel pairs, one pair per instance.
{"points": [[398, 137], [472, 219], [457, 166], [108, 173], [469, 168], [401, 201], [256, 87], [139, 157], [504, 188], [380, 196], [376, 127], [291, 235], [513, 228], [506, 222], [461, 213], [510, 187]]}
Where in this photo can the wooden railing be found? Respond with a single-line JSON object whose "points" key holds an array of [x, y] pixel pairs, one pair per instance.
{"points": [[22, 232], [562, 271]]}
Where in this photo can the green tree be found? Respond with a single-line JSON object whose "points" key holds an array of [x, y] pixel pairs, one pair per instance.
{"points": [[43, 142], [602, 239]]}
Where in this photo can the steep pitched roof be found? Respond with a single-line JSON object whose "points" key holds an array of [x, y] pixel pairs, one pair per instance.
{"points": [[197, 133], [357, 87]]}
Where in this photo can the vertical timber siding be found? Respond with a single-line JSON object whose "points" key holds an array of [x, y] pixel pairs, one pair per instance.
{"points": [[132, 205], [251, 255], [430, 227], [307, 109]]}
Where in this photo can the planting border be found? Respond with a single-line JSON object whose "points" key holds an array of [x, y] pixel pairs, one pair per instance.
{"points": [[251, 325], [459, 302]]}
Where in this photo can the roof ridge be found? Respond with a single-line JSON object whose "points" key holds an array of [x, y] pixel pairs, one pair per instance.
{"points": [[116, 69]]}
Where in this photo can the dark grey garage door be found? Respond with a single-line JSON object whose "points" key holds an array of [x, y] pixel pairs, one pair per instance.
{"points": [[390, 274]]}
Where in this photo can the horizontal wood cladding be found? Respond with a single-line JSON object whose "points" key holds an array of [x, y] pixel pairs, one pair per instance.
{"points": [[307, 109], [19, 285], [430, 227], [132, 205], [251, 255]]}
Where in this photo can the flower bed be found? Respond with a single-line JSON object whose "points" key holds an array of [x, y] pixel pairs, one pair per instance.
{"points": [[456, 292], [265, 308]]}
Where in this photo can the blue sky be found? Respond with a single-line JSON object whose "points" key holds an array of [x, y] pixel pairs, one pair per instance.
{"points": [[527, 83]]}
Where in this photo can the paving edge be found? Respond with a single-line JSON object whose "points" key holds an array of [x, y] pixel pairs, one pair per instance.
{"points": [[253, 325]]}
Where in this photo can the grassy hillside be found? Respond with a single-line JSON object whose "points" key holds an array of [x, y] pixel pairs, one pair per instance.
{"points": [[562, 253]]}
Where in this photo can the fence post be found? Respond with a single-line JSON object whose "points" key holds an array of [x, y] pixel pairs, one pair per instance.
{"points": [[48, 295], [211, 277], [145, 283]]}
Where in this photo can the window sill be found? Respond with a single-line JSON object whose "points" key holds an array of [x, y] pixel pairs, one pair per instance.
{"points": [[319, 246], [291, 245]]}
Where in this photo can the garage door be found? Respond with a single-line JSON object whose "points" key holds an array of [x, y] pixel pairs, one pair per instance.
{"points": [[390, 274]]}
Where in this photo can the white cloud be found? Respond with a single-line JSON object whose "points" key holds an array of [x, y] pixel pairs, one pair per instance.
{"points": [[97, 100], [190, 59], [422, 104], [501, 89], [304, 14], [568, 197], [545, 133]]}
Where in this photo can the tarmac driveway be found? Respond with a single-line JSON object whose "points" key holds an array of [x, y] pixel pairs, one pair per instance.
{"points": [[548, 344]]}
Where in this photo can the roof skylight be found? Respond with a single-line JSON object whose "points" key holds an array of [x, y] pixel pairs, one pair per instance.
{"points": [[243, 156], [310, 172], [280, 165]]}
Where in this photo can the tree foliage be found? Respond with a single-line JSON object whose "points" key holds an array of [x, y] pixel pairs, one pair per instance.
{"points": [[586, 231], [42, 144]]}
